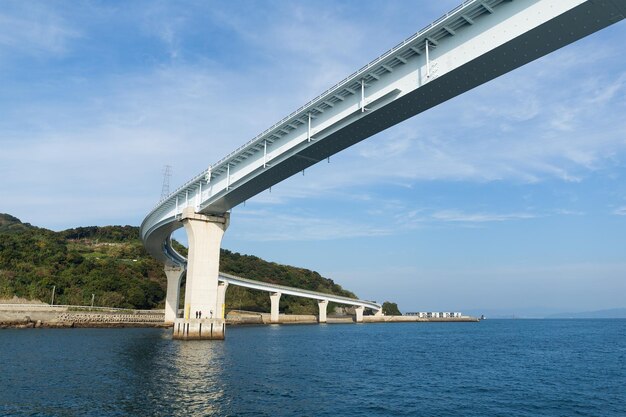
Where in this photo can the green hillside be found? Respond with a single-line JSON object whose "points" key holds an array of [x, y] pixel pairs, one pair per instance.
{"points": [[111, 263]]}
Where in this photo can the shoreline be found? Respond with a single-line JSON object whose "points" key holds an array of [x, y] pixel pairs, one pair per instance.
{"points": [[64, 317]]}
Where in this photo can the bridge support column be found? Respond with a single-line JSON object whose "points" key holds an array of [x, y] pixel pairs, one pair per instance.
{"points": [[379, 313], [323, 305], [275, 299], [202, 320], [174, 274], [221, 300], [359, 313]]}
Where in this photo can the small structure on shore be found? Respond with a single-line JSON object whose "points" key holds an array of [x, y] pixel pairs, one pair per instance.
{"points": [[435, 314]]}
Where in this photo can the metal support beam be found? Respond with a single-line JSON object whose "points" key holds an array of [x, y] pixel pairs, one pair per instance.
{"points": [[362, 96], [449, 30], [427, 59], [227, 177], [467, 19]]}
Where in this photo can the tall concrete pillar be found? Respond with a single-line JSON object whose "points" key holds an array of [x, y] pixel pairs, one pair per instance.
{"points": [[359, 313], [204, 235], [174, 274], [323, 305], [379, 313], [275, 299], [221, 300]]}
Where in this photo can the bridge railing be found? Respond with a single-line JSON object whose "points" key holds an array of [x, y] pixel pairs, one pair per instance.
{"points": [[298, 292]]}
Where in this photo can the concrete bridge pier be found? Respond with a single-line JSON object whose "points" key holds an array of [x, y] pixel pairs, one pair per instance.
{"points": [[202, 319], [323, 306], [275, 299], [379, 313], [174, 274], [359, 313]]}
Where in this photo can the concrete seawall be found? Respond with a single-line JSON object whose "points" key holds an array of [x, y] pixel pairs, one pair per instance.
{"points": [[250, 317], [36, 315]]}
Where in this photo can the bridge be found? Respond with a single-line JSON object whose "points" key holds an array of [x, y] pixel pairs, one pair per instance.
{"points": [[322, 298], [275, 290], [474, 43]]}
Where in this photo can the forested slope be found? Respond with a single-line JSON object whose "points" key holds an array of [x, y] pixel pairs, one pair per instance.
{"points": [[111, 263]]}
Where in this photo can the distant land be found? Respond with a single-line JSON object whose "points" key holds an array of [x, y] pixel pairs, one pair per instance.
{"points": [[537, 313]]}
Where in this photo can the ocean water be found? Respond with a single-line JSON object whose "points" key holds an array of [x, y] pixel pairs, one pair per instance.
{"points": [[491, 368]]}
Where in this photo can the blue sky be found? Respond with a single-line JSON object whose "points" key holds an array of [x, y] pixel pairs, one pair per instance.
{"points": [[508, 199]]}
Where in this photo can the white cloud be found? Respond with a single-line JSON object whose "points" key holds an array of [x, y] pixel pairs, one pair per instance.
{"points": [[459, 216], [566, 212], [267, 226], [621, 211]]}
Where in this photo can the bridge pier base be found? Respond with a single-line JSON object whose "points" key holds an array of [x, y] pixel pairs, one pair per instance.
{"points": [[379, 313], [202, 318], [323, 305], [275, 299], [199, 329], [359, 314], [174, 274]]}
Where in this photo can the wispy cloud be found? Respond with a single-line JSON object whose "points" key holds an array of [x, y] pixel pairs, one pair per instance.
{"points": [[459, 216], [621, 211], [266, 226], [33, 29], [429, 217], [566, 212]]}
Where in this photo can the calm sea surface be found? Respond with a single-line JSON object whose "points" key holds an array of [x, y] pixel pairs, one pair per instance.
{"points": [[492, 368]]}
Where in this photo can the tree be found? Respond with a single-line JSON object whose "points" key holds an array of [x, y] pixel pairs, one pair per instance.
{"points": [[391, 309]]}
